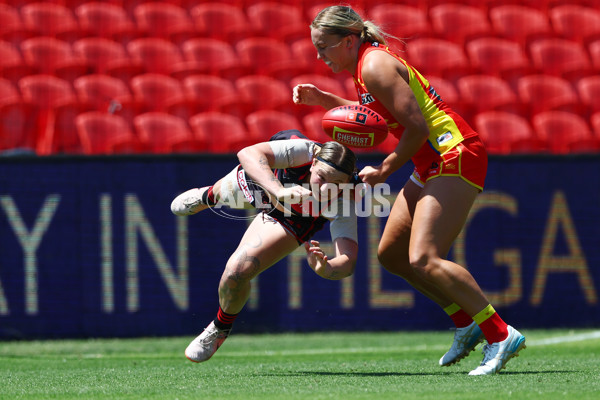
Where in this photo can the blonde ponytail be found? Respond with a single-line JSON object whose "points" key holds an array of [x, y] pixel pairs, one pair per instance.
{"points": [[344, 21]]}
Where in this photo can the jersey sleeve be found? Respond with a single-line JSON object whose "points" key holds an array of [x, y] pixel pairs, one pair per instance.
{"points": [[292, 152], [344, 224]]}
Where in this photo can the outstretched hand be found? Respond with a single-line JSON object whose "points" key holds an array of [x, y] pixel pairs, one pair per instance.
{"points": [[317, 260]]}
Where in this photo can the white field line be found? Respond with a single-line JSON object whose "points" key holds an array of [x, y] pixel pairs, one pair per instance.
{"points": [[566, 339], [401, 349]]}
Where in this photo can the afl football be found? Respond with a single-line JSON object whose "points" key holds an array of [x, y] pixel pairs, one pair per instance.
{"points": [[355, 126]]}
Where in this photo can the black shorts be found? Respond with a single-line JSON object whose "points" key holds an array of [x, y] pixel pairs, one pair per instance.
{"points": [[303, 228]]}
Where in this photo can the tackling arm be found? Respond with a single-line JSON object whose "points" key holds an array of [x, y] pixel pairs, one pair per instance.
{"points": [[340, 266], [258, 161]]}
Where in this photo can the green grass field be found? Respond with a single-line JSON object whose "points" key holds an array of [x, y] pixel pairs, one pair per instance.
{"points": [[557, 364]]}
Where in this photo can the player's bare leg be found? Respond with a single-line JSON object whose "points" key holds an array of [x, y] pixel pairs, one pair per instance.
{"points": [[440, 214], [264, 243], [395, 240], [394, 256]]}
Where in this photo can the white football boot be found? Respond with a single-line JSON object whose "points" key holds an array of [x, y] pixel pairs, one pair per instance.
{"points": [[496, 355], [206, 344], [465, 341], [188, 203]]}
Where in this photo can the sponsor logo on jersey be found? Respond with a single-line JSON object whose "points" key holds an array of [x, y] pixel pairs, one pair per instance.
{"points": [[366, 98], [445, 138], [244, 186]]}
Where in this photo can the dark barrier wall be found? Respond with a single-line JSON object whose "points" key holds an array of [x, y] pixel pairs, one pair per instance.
{"points": [[88, 247]]}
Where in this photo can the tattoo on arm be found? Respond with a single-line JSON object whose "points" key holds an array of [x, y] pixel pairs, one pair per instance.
{"points": [[264, 164]]}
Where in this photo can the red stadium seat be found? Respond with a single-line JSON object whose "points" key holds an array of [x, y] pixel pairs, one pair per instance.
{"points": [[12, 65], [106, 20], [265, 123], [108, 94], [164, 20], [588, 89], [277, 20], [402, 21], [594, 50], [520, 23], [226, 133], [46, 91], [505, 133], [565, 132], [485, 92], [546, 92], [213, 93], [57, 105], [18, 132], [595, 121], [9, 93], [275, 58], [576, 22], [560, 57], [542, 5], [12, 28], [313, 127], [156, 55], [221, 21], [472, 3], [51, 19], [213, 56], [155, 91], [209, 89], [459, 23], [432, 56], [107, 57], [52, 56], [304, 50], [501, 57], [161, 93], [102, 133], [265, 93], [165, 133], [17, 129]]}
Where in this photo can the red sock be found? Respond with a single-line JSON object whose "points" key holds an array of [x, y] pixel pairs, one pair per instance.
{"points": [[492, 326], [208, 197], [460, 318], [224, 320]]}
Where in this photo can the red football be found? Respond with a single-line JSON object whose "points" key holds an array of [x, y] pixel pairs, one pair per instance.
{"points": [[355, 126]]}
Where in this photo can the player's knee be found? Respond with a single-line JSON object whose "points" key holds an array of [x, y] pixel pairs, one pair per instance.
{"points": [[240, 270], [392, 261], [423, 264]]}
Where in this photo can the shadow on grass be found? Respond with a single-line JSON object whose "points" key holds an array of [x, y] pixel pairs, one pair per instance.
{"points": [[395, 373]]}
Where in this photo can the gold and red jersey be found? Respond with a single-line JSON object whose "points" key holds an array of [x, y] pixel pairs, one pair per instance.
{"points": [[446, 128]]}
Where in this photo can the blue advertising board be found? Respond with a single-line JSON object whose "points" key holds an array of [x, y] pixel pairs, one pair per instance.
{"points": [[89, 248]]}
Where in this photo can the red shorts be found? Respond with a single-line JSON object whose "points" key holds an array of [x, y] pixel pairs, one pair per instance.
{"points": [[468, 160]]}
